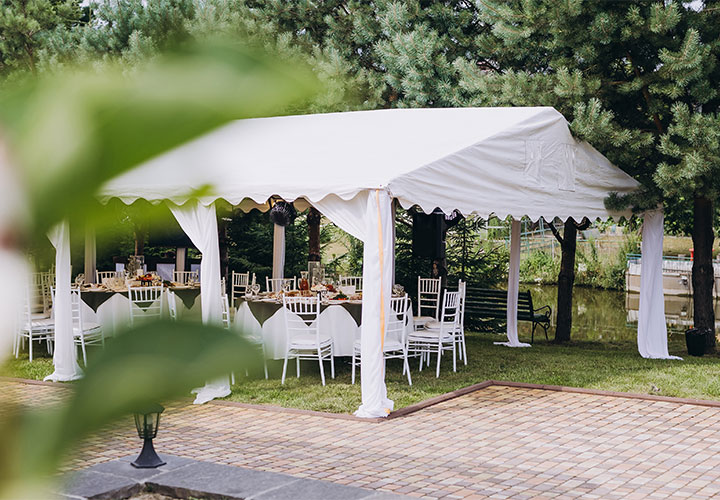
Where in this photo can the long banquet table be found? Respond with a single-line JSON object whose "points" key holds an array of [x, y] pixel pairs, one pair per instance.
{"points": [[265, 319], [112, 309]]}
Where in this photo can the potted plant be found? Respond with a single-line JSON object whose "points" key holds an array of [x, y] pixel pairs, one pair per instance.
{"points": [[696, 340]]}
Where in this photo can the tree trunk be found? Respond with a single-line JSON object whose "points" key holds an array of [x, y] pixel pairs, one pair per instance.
{"points": [[703, 275], [140, 234], [313, 221], [566, 280]]}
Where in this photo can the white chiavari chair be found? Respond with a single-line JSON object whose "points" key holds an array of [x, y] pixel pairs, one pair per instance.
{"points": [[146, 303], [355, 281], [172, 305], [428, 301], [304, 340], [438, 336], [275, 285], [32, 326], [183, 277], [395, 345], [84, 332], [240, 284], [102, 275]]}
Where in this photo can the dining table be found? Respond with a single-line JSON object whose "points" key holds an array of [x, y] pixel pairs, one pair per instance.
{"points": [[263, 318], [111, 308]]}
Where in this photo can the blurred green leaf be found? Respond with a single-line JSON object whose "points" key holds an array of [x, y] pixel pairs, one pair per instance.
{"points": [[152, 363], [72, 131]]}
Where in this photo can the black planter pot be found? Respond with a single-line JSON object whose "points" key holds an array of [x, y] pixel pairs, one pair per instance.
{"points": [[696, 340]]}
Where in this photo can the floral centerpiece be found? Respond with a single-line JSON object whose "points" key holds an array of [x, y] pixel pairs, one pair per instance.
{"points": [[146, 279]]}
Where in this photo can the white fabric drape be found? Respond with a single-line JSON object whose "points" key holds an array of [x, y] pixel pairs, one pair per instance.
{"points": [[65, 354], [368, 216], [278, 270], [513, 288], [90, 255], [652, 329], [200, 224]]}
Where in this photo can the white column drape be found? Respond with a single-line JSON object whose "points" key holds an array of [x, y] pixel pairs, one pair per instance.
{"points": [[65, 354], [90, 255], [652, 329], [278, 270], [200, 224], [368, 217], [513, 288]]}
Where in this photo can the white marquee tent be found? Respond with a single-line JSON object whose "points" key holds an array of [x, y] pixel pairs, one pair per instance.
{"points": [[502, 161]]}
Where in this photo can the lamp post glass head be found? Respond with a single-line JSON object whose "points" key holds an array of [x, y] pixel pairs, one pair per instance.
{"points": [[146, 423]]}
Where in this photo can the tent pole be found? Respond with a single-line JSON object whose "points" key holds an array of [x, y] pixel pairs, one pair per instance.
{"points": [[278, 252], [180, 258], [90, 254], [393, 214]]}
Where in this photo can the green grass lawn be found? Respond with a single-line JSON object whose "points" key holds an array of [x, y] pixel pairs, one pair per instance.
{"points": [[607, 366]]}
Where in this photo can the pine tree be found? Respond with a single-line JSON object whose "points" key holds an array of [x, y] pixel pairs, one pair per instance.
{"points": [[638, 80], [23, 26]]}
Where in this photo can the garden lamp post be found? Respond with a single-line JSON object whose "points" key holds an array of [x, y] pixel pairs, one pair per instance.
{"points": [[147, 423]]}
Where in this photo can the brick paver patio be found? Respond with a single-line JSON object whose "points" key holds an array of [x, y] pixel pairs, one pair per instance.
{"points": [[497, 442]]}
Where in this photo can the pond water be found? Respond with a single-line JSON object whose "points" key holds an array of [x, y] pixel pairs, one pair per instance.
{"points": [[607, 315]]}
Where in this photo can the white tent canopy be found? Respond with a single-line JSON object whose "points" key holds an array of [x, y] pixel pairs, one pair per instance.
{"points": [[501, 161], [506, 161]]}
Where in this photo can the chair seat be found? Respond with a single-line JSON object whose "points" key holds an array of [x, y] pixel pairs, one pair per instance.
{"points": [[40, 315], [43, 324], [89, 328], [309, 341], [428, 336], [419, 321], [389, 346]]}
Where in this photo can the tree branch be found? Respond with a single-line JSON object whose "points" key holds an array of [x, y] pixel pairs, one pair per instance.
{"points": [[554, 231], [646, 95], [583, 225]]}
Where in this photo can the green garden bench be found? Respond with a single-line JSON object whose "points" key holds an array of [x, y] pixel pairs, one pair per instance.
{"points": [[491, 303]]}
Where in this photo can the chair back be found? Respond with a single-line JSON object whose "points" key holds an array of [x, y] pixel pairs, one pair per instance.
{"points": [[428, 296], [397, 322], [148, 299], [276, 284], [37, 299], [225, 311], [103, 275], [355, 281], [462, 287], [172, 305], [76, 309], [240, 284], [302, 316], [183, 277], [450, 312]]}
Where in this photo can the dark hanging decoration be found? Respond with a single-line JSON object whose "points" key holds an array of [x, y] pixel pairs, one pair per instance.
{"points": [[452, 219], [282, 213]]}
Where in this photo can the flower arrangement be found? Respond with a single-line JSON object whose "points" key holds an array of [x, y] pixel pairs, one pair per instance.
{"points": [[146, 279]]}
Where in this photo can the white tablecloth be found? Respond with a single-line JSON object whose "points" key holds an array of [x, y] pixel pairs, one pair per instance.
{"points": [[334, 320], [114, 314]]}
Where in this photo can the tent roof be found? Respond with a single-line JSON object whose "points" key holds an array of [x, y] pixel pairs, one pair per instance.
{"points": [[502, 161]]}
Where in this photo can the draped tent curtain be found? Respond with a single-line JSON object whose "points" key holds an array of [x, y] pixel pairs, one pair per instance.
{"points": [[278, 269], [652, 329], [368, 217], [65, 354], [513, 288], [200, 224]]}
